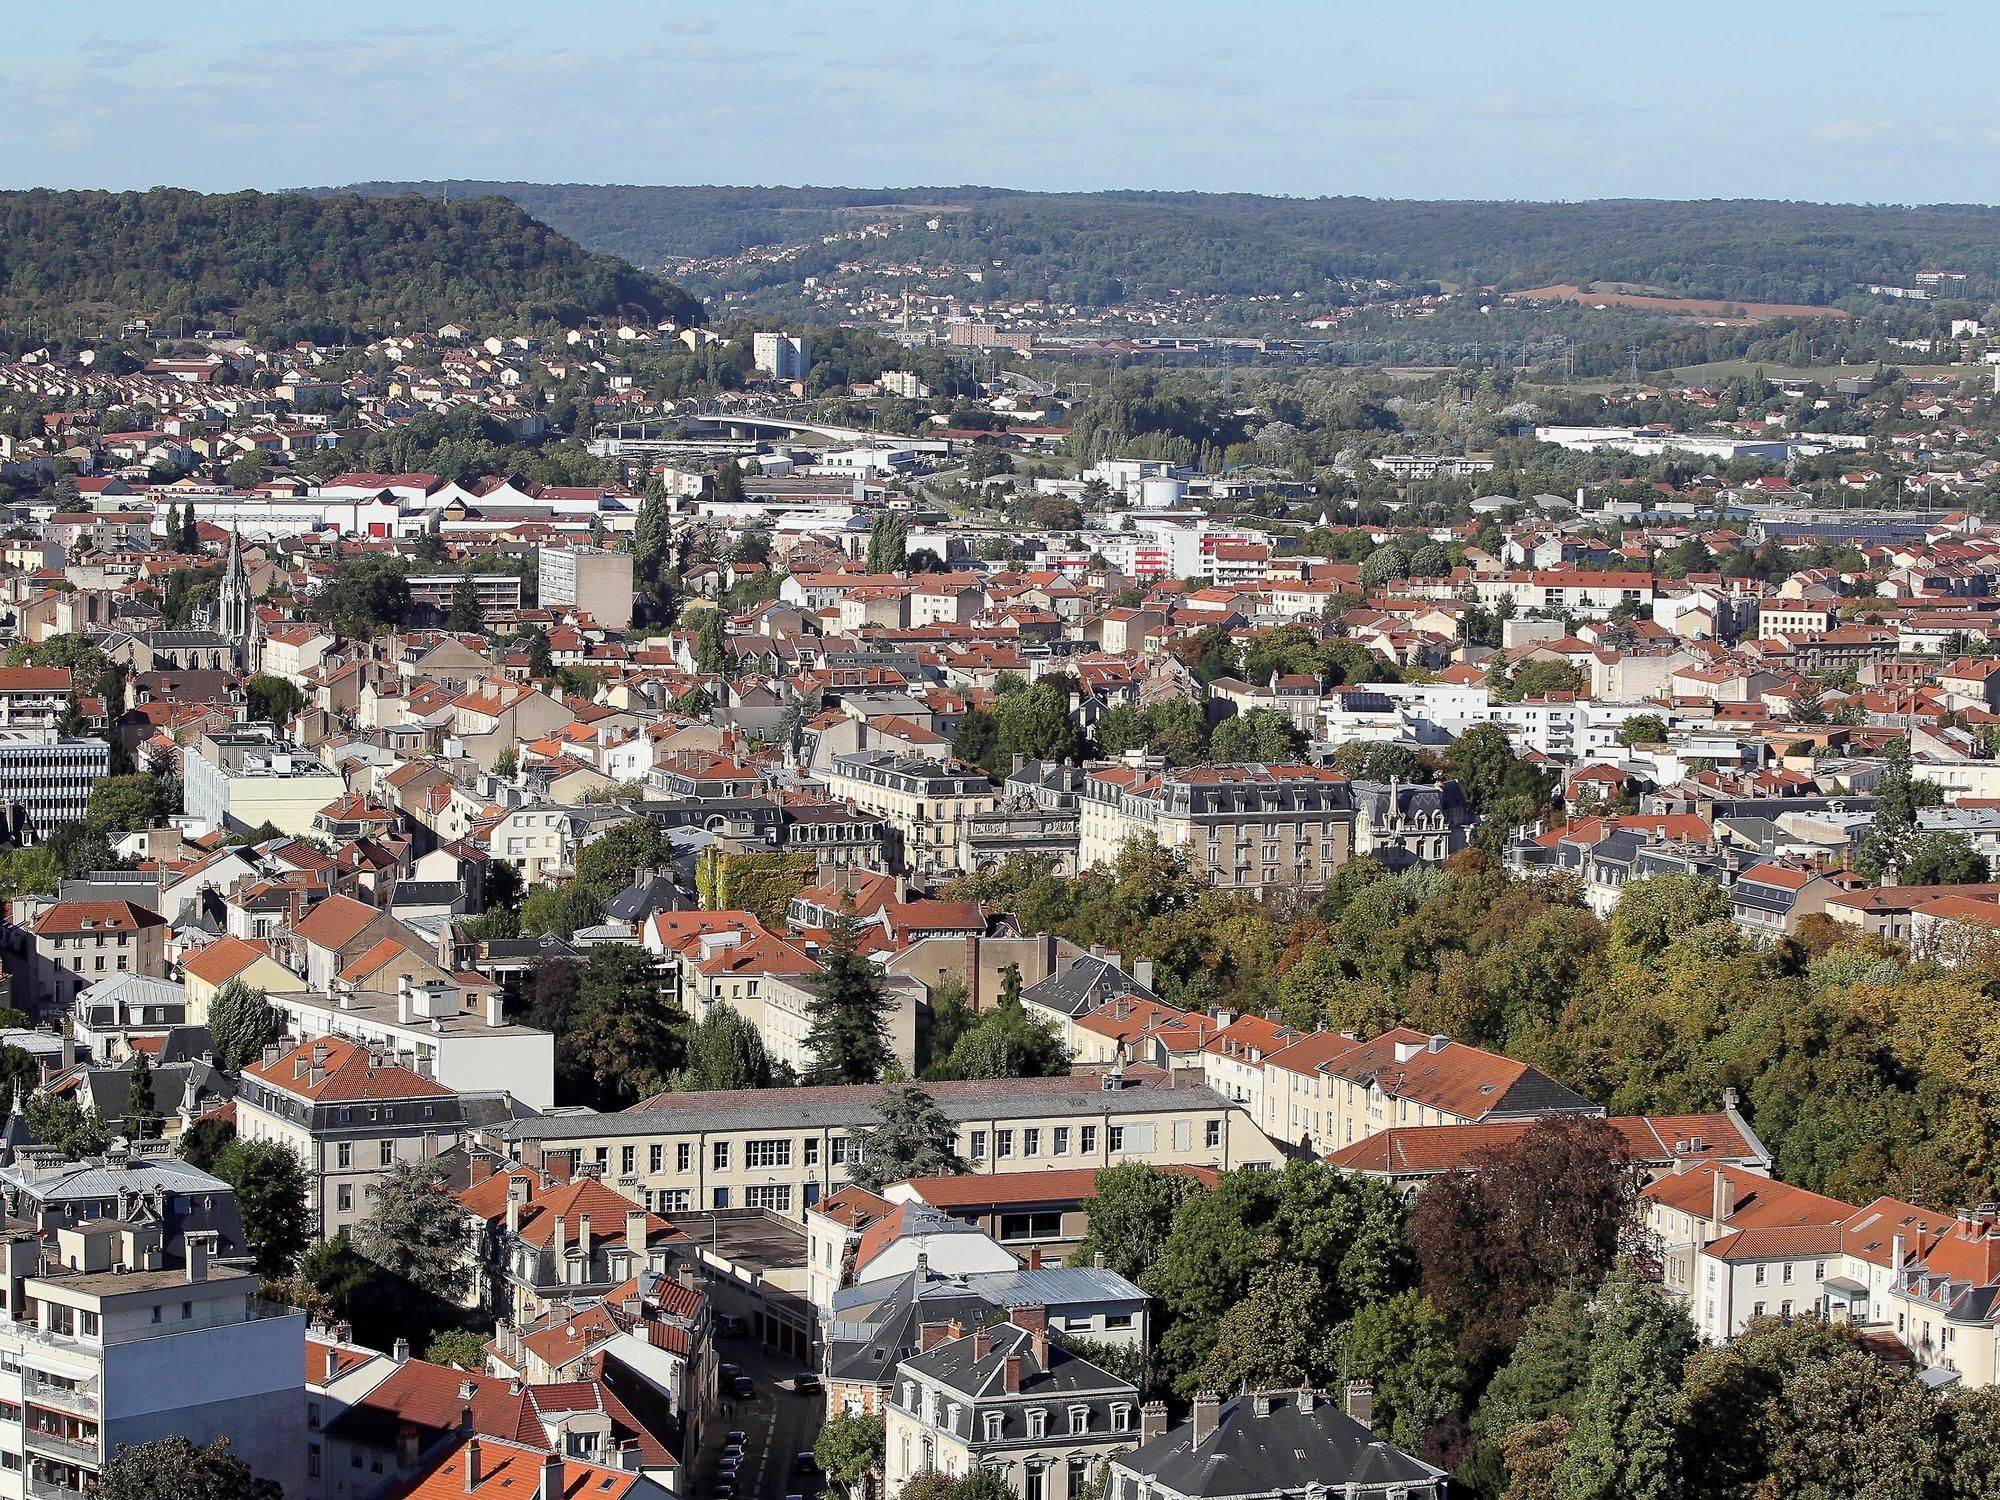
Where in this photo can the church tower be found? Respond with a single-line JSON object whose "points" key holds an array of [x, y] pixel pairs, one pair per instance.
{"points": [[232, 605]]}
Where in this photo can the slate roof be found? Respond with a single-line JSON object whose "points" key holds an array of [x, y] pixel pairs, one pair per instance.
{"points": [[1083, 986], [1287, 1451]]}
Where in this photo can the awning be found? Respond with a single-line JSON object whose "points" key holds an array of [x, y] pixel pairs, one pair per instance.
{"points": [[1846, 1286]]}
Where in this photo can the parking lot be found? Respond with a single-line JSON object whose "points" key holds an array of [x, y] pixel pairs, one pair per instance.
{"points": [[778, 1424]]}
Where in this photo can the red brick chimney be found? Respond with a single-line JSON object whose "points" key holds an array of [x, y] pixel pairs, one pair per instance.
{"points": [[930, 1335], [1207, 1407], [1034, 1320], [982, 1344], [1010, 1373]]}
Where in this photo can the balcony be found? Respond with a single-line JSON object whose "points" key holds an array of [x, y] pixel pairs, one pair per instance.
{"points": [[75, 1398], [73, 1449], [49, 1489]]}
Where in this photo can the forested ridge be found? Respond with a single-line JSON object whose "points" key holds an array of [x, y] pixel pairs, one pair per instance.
{"points": [[1099, 247], [289, 265]]}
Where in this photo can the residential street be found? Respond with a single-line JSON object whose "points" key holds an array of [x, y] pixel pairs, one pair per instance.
{"points": [[779, 1425]]}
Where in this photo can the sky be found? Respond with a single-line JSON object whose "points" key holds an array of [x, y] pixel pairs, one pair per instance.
{"points": [[1839, 102]]}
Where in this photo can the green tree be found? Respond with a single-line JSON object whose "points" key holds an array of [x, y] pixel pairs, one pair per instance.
{"points": [[711, 644], [457, 1348], [1405, 1349], [416, 1232], [1035, 722], [888, 542], [241, 1023], [1642, 729], [1942, 859], [1131, 1215], [272, 1194], [1006, 1042], [652, 541], [467, 616], [1622, 1441], [173, 1468], [541, 667], [848, 1449], [202, 1143], [365, 596], [127, 804], [272, 700], [1384, 566], [61, 1124], [142, 1112], [724, 1052], [1654, 913], [848, 1036], [1899, 795], [1263, 735], [621, 1040], [1277, 1337], [728, 488], [914, 1139]]}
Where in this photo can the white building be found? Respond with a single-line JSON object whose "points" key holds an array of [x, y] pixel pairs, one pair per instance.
{"points": [[246, 777], [782, 356]]}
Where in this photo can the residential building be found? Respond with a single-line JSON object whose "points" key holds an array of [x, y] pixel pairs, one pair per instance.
{"points": [[1270, 1445], [45, 780], [350, 1114], [115, 1347], [782, 356], [1250, 828], [243, 778], [926, 803], [785, 1153], [1403, 1077], [596, 581], [73, 944], [491, 1468], [1008, 1399]]}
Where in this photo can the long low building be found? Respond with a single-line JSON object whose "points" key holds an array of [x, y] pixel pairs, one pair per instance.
{"points": [[785, 1149]]}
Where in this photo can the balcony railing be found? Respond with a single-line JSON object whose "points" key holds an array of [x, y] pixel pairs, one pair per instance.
{"points": [[68, 1397], [74, 1449], [48, 1489]]}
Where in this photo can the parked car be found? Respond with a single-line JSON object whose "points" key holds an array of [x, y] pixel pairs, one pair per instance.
{"points": [[736, 1438], [806, 1385], [742, 1387], [805, 1463]]}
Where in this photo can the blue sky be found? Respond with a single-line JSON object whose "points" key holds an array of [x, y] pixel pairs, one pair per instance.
{"points": [[1530, 100]]}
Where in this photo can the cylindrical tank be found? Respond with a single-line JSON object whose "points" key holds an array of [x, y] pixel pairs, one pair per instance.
{"points": [[1161, 494]]}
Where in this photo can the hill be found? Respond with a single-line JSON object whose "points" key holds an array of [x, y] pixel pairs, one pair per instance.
{"points": [[289, 265], [1099, 248]]}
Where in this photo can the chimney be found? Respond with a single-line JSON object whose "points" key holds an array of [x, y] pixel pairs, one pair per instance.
{"points": [[471, 1465], [400, 1351], [1010, 1374], [1307, 1398], [406, 1447], [467, 1390], [1034, 1257], [1724, 1202], [1097, 1260], [561, 1246], [197, 1257], [923, 1267], [583, 1239], [930, 1335], [332, 1365], [1262, 1402], [1361, 1402], [1730, 1100], [1152, 1421], [982, 1344], [552, 1478], [518, 1189], [1034, 1318], [1207, 1406], [1142, 972]]}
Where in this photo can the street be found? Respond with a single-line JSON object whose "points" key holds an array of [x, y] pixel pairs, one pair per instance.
{"points": [[779, 1425]]}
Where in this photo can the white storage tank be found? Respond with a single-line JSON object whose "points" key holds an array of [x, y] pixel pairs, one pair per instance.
{"points": [[1161, 494]]}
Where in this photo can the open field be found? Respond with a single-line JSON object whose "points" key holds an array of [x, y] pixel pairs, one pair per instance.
{"points": [[1724, 369], [1702, 307]]}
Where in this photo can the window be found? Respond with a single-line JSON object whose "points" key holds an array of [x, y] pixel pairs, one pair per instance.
{"points": [[673, 1200], [344, 1198], [722, 1197], [1212, 1135], [1003, 1143], [812, 1150], [628, 1160], [1757, 1310], [1060, 1140], [312, 1460], [86, 1324], [1117, 1320], [1183, 1134], [766, 1154], [656, 1158], [312, 1415], [1079, 1474], [1031, 1142], [838, 1147], [1760, 1274], [1785, 1310], [1819, 1271], [1079, 1420], [187, 1311], [719, 1157], [343, 1154], [1086, 1139], [1114, 1138], [684, 1156], [775, 1196], [1038, 1423], [1046, 1225], [994, 1422], [388, 1153], [1034, 1488], [978, 1152], [1121, 1419]]}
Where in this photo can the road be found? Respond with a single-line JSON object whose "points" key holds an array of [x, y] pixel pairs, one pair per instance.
{"points": [[780, 1424]]}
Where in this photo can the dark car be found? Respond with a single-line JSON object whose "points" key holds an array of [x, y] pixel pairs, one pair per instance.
{"points": [[806, 1385], [742, 1388]]}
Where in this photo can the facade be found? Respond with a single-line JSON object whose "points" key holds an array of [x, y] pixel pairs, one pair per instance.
{"points": [[74, 944], [1251, 828], [33, 697], [243, 778], [349, 1114], [540, 1243], [782, 356], [1008, 1399], [592, 580], [119, 1348], [787, 1152], [45, 780], [927, 804]]}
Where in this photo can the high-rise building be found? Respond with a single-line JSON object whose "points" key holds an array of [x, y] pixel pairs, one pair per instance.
{"points": [[45, 780], [595, 580], [781, 355]]}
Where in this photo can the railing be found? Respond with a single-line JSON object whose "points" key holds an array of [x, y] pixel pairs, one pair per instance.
{"points": [[62, 1447], [68, 1397], [48, 1489]]}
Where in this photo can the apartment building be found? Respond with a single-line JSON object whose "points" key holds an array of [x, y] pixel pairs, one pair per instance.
{"points": [[245, 777], [1008, 1399], [539, 1242], [45, 780], [591, 580], [1248, 828], [33, 697], [73, 944], [117, 1347], [786, 1152], [926, 804], [350, 1113]]}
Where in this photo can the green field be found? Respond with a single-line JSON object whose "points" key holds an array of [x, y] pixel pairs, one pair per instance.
{"points": [[1723, 369]]}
